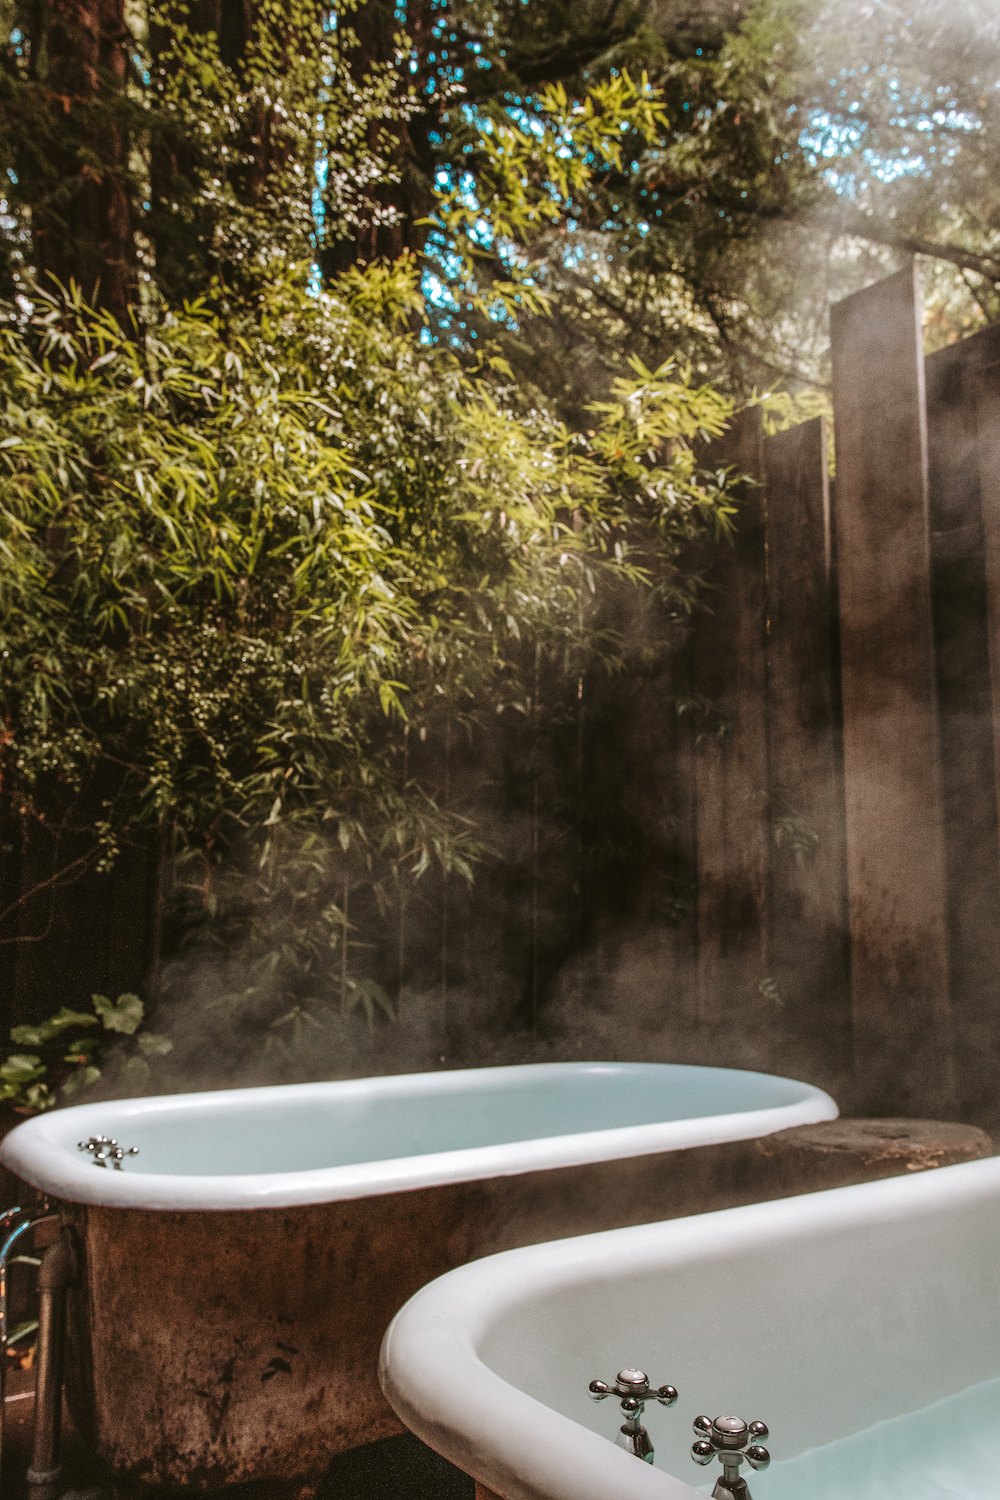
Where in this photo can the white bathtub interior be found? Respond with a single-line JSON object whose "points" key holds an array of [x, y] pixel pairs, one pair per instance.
{"points": [[819, 1323], [488, 1107], [318, 1142]]}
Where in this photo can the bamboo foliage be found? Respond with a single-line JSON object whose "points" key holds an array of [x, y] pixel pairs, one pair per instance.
{"points": [[242, 548]]}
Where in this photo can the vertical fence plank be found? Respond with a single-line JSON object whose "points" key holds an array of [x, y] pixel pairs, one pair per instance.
{"points": [[959, 599], [987, 397], [808, 872], [736, 1010], [70, 937], [11, 889], [31, 928], [895, 857], [681, 965]]}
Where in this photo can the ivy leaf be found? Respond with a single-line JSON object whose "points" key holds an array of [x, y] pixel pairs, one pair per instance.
{"points": [[37, 1036], [135, 1073], [81, 1079], [28, 1036], [124, 1014], [22, 1330], [81, 1050], [21, 1068], [154, 1046]]}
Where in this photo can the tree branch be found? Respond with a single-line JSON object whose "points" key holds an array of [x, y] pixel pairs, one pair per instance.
{"points": [[55, 882], [861, 227]]}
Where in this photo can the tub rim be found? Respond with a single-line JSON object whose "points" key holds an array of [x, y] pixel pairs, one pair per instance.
{"points": [[36, 1150], [433, 1378]]}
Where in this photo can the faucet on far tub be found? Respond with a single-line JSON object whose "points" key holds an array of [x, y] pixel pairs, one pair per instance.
{"points": [[634, 1389], [732, 1440], [105, 1148]]}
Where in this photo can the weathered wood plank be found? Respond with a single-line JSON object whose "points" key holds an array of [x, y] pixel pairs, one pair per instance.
{"points": [[808, 872], [959, 601], [736, 1009], [987, 398], [895, 849]]}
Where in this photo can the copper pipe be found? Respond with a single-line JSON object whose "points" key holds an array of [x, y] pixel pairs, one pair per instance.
{"points": [[54, 1276], [8, 1219]]}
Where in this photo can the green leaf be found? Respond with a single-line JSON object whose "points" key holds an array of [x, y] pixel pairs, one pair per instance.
{"points": [[22, 1330], [28, 1036], [80, 1080], [124, 1014], [37, 1036], [368, 996], [80, 1050], [154, 1046], [135, 1073], [21, 1068], [38, 1096]]}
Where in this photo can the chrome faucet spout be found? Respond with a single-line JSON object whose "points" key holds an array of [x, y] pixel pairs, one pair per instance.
{"points": [[104, 1149], [634, 1390]]}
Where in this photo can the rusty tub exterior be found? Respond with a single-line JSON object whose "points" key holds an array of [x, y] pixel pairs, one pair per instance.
{"points": [[226, 1326]]}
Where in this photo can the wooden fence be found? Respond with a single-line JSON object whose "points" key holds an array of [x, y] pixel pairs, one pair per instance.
{"points": [[835, 806], [847, 853]]}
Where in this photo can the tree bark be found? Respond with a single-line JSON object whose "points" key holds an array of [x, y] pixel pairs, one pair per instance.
{"points": [[391, 225], [82, 218], [184, 258]]}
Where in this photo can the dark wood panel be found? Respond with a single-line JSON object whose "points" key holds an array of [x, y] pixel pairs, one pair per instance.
{"points": [[959, 599], [738, 1011], [895, 850], [988, 440], [808, 871]]}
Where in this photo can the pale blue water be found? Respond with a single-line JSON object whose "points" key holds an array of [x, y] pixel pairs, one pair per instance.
{"points": [[300, 1133], [947, 1451]]}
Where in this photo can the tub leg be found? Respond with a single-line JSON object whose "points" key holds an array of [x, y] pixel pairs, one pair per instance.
{"points": [[54, 1277]]}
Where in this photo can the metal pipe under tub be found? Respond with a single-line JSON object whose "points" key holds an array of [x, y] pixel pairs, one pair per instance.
{"points": [[15, 1223], [55, 1275]]}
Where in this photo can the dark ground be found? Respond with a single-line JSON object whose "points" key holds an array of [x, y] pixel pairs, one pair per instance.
{"points": [[399, 1468]]}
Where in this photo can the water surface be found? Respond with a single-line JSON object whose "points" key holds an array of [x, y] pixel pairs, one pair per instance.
{"points": [[947, 1451]]}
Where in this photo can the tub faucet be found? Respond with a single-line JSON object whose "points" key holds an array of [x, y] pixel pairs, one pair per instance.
{"points": [[105, 1148], [634, 1389], [732, 1440]]}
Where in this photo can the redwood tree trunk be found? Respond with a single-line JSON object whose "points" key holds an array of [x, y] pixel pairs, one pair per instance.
{"points": [[183, 245], [393, 223], [82, 218]]}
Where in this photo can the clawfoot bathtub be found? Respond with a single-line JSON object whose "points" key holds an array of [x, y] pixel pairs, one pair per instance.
{"points": [[862, 1324], [239, 1271]]}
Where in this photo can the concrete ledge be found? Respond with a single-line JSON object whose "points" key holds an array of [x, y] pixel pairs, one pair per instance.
{"points": [[811, 1158], [869, 1149]]}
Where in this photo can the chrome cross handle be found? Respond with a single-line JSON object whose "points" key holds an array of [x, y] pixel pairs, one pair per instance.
{"points": [[633, 1385], [105, 1148], [731, 1440], [633, 1389]]}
